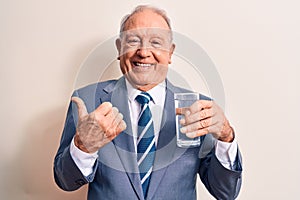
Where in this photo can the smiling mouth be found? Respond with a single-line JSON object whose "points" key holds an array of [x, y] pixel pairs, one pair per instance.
{"points": [[144, 65]]}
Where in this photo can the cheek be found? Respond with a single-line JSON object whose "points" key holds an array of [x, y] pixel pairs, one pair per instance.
{"points": [[128, 51], [124, 65], [125, 58], [163, 57], [127, 55]]}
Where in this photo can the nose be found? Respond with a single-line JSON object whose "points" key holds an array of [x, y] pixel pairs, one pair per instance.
{"points": [[143, 52]]}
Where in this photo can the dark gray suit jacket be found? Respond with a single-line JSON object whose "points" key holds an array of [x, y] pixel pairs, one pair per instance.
{"points": [[115, 174]]}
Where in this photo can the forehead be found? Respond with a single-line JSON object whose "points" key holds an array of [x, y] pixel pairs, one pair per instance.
{"points": [[148, 32], [146, 19]]}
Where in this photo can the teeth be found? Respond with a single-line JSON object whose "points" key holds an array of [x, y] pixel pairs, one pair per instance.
{"points": [[143, 64]]}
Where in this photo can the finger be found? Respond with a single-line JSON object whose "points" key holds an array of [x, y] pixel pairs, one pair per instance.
{"points": [[82, 111], [109, 121], [197, 125], [111, 116], [103, 109], [214, 129], [117, 120], [200, 115], [182, 111], [200, 105], [198, 133], [121, 126], [118, 129]]}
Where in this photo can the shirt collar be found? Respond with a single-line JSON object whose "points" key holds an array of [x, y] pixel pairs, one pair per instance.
{"points": [[156, 92]]}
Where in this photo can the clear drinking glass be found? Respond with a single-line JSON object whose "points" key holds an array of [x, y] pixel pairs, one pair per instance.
{"points": [[182, 103]]}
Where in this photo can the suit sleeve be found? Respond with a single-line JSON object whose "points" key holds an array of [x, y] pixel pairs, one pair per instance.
{"points": [[221, 182], [66, 173]]}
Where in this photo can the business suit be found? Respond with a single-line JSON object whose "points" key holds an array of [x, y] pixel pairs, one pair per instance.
{"points": [[115, 174]]}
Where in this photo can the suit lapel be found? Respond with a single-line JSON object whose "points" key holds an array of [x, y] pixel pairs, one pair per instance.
{"points": [[117, 95]]}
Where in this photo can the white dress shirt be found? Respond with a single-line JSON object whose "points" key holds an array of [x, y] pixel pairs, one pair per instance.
{"points": [[225, 152], [156, 106]]}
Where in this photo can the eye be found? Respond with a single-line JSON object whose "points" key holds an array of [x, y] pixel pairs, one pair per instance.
{"points": [[156, 43], [133, 41]]}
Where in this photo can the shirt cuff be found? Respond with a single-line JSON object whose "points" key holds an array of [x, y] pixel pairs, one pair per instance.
{"points": [[84, 161], [226, 153]]}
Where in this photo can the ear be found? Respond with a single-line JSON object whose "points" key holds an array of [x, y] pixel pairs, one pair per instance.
{"points": [[118, 45], [172, 48]]}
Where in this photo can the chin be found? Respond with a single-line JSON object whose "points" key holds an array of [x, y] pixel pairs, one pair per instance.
{"points": [[144, 80]]}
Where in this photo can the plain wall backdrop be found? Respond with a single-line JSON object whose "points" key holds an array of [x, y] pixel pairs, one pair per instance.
{"points": [[254, 44]]}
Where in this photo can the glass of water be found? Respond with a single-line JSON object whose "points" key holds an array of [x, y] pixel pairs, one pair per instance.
{"points": [[182, 103]]}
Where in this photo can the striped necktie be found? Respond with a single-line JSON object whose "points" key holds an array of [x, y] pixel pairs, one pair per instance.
{"points": [[145, 142]]}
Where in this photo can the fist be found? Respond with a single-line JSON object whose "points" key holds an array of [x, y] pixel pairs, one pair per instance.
{"points": [[98, 128]]}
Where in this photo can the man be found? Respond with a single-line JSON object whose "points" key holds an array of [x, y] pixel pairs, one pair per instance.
{"points": [[104, 144]]}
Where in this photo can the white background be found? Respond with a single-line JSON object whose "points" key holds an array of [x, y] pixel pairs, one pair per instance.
{"points": [[254, 45]]}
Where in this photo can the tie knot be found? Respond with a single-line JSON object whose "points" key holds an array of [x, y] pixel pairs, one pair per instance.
{"points": [[143, 98]]}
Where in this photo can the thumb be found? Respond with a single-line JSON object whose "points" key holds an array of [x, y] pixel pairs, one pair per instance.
{"points": [[80, 106]]}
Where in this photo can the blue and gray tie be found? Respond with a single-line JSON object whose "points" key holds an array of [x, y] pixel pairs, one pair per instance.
{"points": [[145, 142]]}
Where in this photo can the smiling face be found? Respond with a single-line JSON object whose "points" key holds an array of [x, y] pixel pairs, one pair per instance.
{"points": [[145, 49]]}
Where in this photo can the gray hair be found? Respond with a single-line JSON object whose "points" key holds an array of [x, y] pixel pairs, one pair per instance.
{"points": [[141, 8]]}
